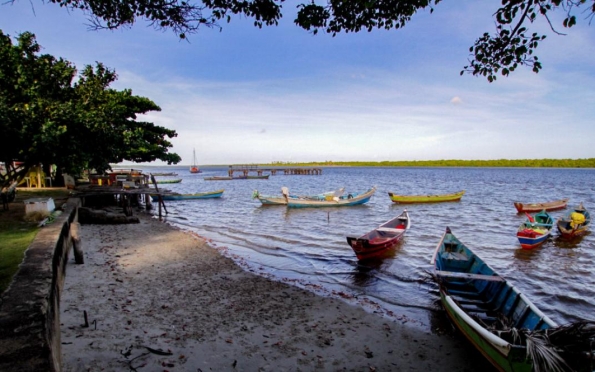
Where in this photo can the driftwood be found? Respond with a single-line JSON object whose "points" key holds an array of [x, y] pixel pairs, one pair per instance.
{"points": [[76, 243], [102, 217]]}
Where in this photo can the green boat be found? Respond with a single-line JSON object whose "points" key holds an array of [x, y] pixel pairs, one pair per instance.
{"points": [[500, 321], [177, 180], [198, 195]]}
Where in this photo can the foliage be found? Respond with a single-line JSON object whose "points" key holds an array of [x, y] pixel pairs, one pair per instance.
{"points": [[511, 46], [500, 163], [46, 117]]}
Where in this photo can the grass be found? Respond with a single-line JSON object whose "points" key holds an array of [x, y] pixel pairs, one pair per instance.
{"points": [[16, 234]]}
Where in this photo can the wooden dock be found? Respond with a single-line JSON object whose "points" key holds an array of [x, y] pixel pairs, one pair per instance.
{"points": [[245, 170]]}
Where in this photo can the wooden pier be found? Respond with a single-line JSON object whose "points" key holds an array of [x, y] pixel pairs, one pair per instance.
{"points": [[245, 170]]}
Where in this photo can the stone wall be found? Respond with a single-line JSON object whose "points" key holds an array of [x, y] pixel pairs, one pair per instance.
{"points": [[30, 307]]}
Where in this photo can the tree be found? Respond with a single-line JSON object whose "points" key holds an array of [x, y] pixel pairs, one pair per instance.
{"points": [[47, 117], [511, 46]]}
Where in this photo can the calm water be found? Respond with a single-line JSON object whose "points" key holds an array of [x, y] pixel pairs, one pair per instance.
{"points": [[308, 246]]}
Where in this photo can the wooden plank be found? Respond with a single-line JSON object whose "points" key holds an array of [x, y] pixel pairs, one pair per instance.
{"points": [[453, 274]]}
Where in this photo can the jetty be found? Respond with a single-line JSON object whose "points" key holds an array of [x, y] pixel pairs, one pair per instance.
{"points": [[246, 169]]}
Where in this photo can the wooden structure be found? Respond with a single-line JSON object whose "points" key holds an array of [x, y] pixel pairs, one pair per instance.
{"points": [[246, 169]]}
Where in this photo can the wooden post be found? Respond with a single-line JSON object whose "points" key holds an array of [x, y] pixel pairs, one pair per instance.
{"points": [[76, 243], [160, 198]]}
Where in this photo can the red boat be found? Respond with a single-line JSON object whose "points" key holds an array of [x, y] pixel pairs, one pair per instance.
{"points": [[381, 239]]}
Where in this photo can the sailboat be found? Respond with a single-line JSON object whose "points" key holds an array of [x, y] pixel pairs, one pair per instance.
{"points": [[194, 167]]}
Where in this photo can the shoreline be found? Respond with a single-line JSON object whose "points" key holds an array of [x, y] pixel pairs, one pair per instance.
{"points": [[159, 298]]}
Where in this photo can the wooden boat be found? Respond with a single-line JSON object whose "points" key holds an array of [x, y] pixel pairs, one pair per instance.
{"points": [[575, 223], [171, 174], [535, 230], [198, 195], [282, 199], [348, 200], [537, 207], [376, 242], [177, 180], [194, 168], [408, 199], [226, 178], [476, 298]]}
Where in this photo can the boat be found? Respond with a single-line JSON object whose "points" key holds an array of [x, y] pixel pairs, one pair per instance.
{"points": [[282, 199], [493, 314], [574, 223], [171, 174], [535, 230], [439, 198], [227, 178], [376, 242], [536, 207], [198, 195], [348, 200], [194, 168], [177, 180]]}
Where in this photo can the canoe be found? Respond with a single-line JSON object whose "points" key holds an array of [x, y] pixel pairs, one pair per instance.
{"points": [[535, 230], [348, 200], [164, 174], [376, 242], [475, 298], [198, 195], [226, 178], [536, 207], [282, 200], [575, 223], [407, 199], [177, 180]]}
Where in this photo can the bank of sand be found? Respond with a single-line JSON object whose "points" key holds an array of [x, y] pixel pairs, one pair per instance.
{"points": [[149, 289]]}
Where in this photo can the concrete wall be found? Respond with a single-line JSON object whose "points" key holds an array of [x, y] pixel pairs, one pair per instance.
{"points": [[30, 307]]}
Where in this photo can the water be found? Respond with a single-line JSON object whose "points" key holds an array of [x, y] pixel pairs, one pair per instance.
{"points": [[308, 247]]}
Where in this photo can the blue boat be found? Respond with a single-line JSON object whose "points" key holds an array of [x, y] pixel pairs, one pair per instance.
{"points": [[348, 200], [535, 230], [484, 306], [199, 195]]}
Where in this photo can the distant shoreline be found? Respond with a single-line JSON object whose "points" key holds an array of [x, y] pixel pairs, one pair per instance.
{"points": [[499, 163]]}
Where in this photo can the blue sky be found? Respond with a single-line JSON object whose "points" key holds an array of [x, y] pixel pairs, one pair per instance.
{"points": [[247, 95]]}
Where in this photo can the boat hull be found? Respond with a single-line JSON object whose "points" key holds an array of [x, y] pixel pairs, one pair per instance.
{"points": [[344, 201], [411, 199], [535, 230], [476, 298], [201, 195], [537, 207], [377, 242], [528, 242]]}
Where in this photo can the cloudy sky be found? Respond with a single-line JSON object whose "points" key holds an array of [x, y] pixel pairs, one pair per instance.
{"points": [[244, 94]]}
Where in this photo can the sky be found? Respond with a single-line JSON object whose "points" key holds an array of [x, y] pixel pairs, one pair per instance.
{"points": [[247, 95]]}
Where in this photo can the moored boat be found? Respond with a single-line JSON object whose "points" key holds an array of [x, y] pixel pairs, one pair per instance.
{"points": [[535, 230], [379, 240], [198, 195], [348, 200], [194, 168], [177, 180], [575, 223], [501, 322], [536, 207], [439, 198], [171, 174], [282, 199]]}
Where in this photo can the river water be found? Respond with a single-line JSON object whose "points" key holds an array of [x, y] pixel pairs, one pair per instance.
{"points": [[307, 247]]}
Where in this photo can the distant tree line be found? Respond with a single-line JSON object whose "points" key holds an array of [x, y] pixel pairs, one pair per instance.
{"points": [[500, 163]]}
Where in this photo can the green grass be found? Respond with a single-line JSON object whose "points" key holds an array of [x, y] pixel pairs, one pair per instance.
{"points": [[16, 234], [15, 237]]}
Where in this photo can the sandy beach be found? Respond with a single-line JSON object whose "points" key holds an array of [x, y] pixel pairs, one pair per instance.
{"points": [[161, 299]]}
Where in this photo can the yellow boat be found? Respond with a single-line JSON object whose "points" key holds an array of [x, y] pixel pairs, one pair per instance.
{"points": [[409, 199]]}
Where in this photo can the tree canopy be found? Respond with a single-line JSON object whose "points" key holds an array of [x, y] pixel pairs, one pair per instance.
{"points": [[497, 53], [46, 116]]}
